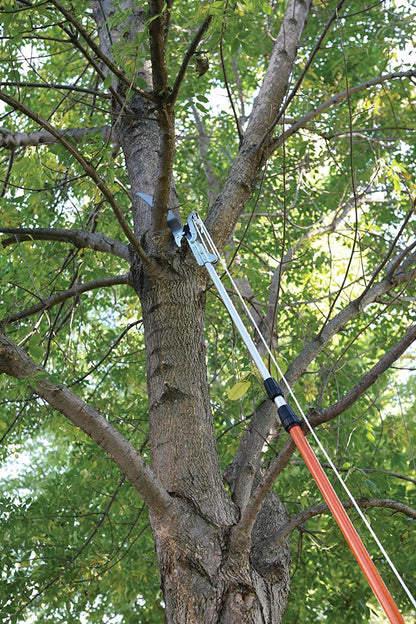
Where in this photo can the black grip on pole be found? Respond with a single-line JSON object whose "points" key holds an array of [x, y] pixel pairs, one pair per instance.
{"points": [[288, 417], [272, 388]]}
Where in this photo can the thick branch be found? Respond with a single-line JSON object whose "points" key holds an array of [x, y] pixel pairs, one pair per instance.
{"points": [[78, 238], [242, 531], [317, 510], [53, 300], [240, 184], [15, 362], [335, 16], [159, 14], [158, 17], [12, 140], [242, 472], [165, 168]]}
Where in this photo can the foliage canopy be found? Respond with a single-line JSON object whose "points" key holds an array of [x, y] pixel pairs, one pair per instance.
{"points": [[327, 234]]}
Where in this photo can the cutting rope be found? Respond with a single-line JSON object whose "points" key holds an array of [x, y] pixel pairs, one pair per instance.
{"points": [[205, 236]]}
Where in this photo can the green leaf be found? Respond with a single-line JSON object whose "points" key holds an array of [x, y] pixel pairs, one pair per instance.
{"points": [[238, 390]]}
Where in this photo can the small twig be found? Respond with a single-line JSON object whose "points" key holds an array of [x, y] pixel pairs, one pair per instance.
{"points": [[188, 56]]}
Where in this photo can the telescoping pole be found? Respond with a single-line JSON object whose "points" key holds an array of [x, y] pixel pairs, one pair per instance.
{"points": [[292, 424], [289, 419]]}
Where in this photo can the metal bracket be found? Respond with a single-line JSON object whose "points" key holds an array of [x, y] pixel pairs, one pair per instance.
{"points": [[199, 249], [192, 235], [191, 232]]}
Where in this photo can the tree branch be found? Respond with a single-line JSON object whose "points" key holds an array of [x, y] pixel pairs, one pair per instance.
{"points": [[158, 30], [48, 85], [165, 168], [88, 168], [69, 16], [317, 510], [241, 532], [75, 291], [78, 238], [388, 473], [324, 415], [249, 513], [244, 172], [188, 56], [335, 16], [331, 225], [15, 362], [266, 321], [159, 14], [335, 100], [12, 140], [351, 311], [241, 473]]}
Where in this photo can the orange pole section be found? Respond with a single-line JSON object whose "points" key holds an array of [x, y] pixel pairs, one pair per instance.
{"points": [[354, 541]]}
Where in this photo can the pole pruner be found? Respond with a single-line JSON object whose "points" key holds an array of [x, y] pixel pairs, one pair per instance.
{"points": [[206, 255]]}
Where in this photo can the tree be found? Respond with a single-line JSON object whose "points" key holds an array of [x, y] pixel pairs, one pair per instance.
{"points": [[304, 178]]}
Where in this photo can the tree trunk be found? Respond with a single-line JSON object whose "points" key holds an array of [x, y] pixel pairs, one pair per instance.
{"points": [[207, 579], [206, 576]]}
